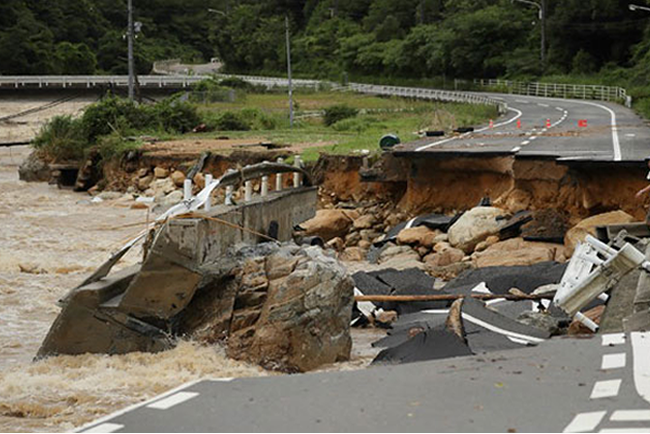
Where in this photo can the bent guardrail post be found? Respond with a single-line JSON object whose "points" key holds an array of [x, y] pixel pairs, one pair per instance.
{"points": [[588, 275], [208, 200]]}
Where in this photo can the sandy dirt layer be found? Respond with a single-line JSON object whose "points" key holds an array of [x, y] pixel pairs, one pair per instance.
{"points": [[51, 240], [25, 128], [194, 147]]}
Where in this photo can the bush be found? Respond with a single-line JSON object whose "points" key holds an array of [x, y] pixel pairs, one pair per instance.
{"points": [[337, 113], [62, 138], [258, 120], [101, 118], [115, 145], [229, 121], [175, 116], [237, 83]]}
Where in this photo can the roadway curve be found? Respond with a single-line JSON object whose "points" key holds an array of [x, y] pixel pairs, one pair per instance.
{"points": [[549, 128]]}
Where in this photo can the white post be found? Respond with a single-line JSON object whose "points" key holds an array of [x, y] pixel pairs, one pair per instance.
{"points": [[248, 192], [187, 189], [296, 175], [208, 200], [265, 186], [278, 177], [229, 191]]}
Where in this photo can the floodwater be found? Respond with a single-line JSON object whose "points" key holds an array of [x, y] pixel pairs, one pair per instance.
{"points": [[50, 240]]}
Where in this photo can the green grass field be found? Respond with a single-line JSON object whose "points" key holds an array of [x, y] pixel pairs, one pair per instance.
{"points": [[378, 116]]}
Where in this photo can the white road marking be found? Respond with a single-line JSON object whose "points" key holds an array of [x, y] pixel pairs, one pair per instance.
{"points": [[521, 101], [585, 422], [615, 142], [613, 361], [533, 138], [544, 130], [605, 389], [625, 430], [641, 363], [631, 416], [525, 142], [516, 149], [501, 124], [501, 331], [630, 135], [106, 427], [542, 105], [132, 407], [167, 403], [613, 339], [559, 108]]}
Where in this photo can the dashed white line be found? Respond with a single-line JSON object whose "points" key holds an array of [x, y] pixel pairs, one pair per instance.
{"points": [[613, 339], [630, 416], [605, 389], [613, 361], [173, 400], [521, 101], [559, 108], [585, 422], [641, 363], [542, 105], [533, 138], [516, 149], [501, 124], [106, 428], [525, 142]]}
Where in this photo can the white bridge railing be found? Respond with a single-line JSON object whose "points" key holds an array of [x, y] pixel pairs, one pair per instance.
{"points": [[557, 90], [430, 94]]}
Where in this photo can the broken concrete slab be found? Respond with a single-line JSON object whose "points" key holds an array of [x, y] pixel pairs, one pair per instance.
{"points": [[427, 345], [501, 279]]}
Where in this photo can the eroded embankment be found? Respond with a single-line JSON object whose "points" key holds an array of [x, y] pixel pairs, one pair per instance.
{"points": [[424, 184]]}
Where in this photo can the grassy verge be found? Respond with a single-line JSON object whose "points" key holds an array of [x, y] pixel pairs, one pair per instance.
{"points": [[377, 117]]}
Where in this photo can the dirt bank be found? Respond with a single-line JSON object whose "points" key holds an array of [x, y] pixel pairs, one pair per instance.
{"points": [[457, 184]]}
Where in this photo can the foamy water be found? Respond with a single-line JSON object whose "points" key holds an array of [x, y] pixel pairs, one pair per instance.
{"points": [[50, 240]]}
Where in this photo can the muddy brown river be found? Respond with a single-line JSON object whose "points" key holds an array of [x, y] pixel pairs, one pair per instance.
{"points": [[50, 240]]}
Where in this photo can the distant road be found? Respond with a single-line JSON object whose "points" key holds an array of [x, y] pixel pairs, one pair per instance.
{"points": [[564, 129]]}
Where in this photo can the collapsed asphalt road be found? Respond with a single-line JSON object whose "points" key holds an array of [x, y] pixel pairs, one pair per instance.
{"points": [[550, 127], [572, 385]]}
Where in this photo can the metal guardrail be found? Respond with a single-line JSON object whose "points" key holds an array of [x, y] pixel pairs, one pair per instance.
{"points": [[183, 81], [558, 90], [431, 94]]}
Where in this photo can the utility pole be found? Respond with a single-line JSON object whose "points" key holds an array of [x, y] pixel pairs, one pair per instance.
{"points": [[130, 36], [286, 25], [542, 18]]}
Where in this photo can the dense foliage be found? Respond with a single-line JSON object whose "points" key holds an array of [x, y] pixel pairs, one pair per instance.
{"points": [[387, 38], [108, 124]]}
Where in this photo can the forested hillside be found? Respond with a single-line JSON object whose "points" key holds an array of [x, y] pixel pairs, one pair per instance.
{"points": [[382, 38]]}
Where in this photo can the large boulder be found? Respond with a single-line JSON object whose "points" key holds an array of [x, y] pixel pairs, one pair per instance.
{"points": [[579, 232], [420, 235], [475, 226], [34, 169], [516, 251], [328, 224], [294, 314]]}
